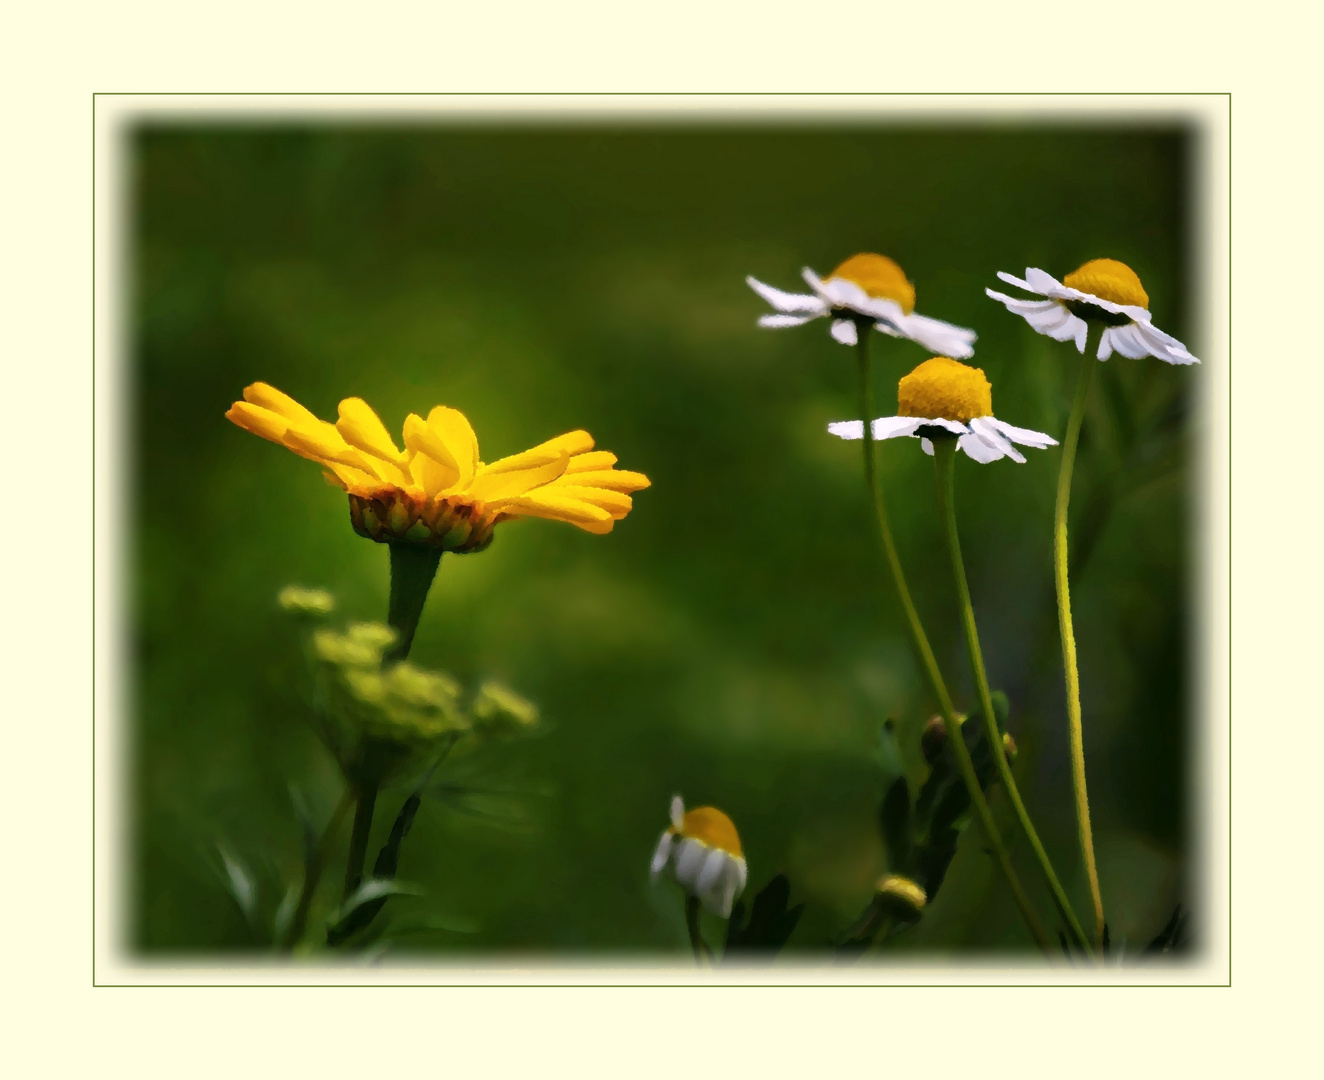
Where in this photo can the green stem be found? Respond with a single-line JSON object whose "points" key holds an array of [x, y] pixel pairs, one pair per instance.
{"points": [[928, 663], [313, 871], [944, 456], [413, 567], [1060, 569], [918, 639], [358, 840], [692, 923]]}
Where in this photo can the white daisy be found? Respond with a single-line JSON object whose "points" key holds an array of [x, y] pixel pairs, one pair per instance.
{"points": [[869, 287], [940, 396], [1104, 291], [703, 850]]}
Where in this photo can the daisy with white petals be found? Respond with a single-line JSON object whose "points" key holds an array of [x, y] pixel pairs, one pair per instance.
{"points": [[862, 289], [944, 396], [1102, 291], [703, 851]]}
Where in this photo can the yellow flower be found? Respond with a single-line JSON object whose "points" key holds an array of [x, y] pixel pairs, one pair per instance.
{"points": [[436, 491]]}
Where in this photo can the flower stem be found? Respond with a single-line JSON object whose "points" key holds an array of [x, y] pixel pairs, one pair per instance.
{"points": [[927, 661], [692, 923], [944, 456], [412, 569], [366, 799], [1069, 442], [313, 871]]}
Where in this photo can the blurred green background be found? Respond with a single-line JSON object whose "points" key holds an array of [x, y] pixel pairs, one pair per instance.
{"points": [[735, 639]]}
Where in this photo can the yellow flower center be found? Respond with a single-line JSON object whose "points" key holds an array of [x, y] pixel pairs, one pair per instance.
{"points": [[710, 826], [878, 276], [943, 389], [1109, 280]]}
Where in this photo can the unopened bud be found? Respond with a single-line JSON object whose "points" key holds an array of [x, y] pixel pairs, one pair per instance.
{"points": [[301, 601], [1009, 745], [901, 897]]}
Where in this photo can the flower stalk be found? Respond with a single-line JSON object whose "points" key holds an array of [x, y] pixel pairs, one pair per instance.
{"points": [[413, 566], [313, 872], [928, 662], [944, 455], [1060, 577]]}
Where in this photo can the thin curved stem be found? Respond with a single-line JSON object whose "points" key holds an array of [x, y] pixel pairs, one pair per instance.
{"points": [[1060, 578], [313, 871], [927, 661], [944, 456], [701, 951]]}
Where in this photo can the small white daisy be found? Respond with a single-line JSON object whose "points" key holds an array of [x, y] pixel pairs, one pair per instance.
{"points": [[872, 286], [942, 395], [1104, 291], [703, 850]]}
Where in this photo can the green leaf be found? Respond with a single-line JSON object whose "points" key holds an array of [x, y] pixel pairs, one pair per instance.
{"points": [[894, 817]]}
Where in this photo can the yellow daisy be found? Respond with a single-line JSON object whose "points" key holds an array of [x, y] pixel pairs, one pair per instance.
{"points": [[436, 491]]}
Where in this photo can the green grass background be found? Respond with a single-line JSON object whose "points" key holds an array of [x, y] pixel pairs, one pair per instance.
{"points": [[735, 639]]}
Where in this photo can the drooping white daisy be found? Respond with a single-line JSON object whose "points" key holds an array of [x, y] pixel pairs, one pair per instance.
{"points": [[868, 287], [1103, 291], [703, 850], [942, 397]]}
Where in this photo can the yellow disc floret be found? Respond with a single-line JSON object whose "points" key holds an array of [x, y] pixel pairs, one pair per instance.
{"points": [[1109, 280], [878, 276], [710, 826], [942, 388]]}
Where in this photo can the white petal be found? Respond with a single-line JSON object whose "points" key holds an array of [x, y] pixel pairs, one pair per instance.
{"points": [[1012, 280], [881, 308], [778, 321], [977, 449], [891, 427], [941, 337], [1046, 285], [844, 293], [927, 446], [989, 435], [741, 874], [786, 301], [847, 429], [1164, 346], [711, 870], [689, 859], [677, 811], [814, 282], [661, 855], [1026, 437], [719, 903], [1128, 341], [844, 331], [883, 326], [954, 426], [1105, 343], [1082, 331], [1020, 307]]}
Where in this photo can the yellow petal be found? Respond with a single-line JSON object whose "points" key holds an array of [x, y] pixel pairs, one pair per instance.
{"points": [[271, 399], [423, 440], [455, 431], [515, 475], [598, 459], [615, 503], [558, 507], [362, 428], [572, 442], [611, 479], [259, 421]]}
